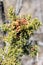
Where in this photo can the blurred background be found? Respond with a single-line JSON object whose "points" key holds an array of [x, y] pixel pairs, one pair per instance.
{"points": [[21, 7]]}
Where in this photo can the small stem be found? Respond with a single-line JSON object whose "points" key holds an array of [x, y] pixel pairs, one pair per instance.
{"points": [[35, 60]]}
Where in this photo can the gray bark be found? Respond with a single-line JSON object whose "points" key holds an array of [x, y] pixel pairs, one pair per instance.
{"points": [[18, 6]]}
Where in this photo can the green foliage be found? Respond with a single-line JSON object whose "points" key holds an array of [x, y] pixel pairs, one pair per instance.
{"points": [[34, 50], [18, 31], [11, 14]]}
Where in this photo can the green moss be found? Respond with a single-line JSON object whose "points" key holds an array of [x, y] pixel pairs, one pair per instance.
{"points": [[18, 35]]}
